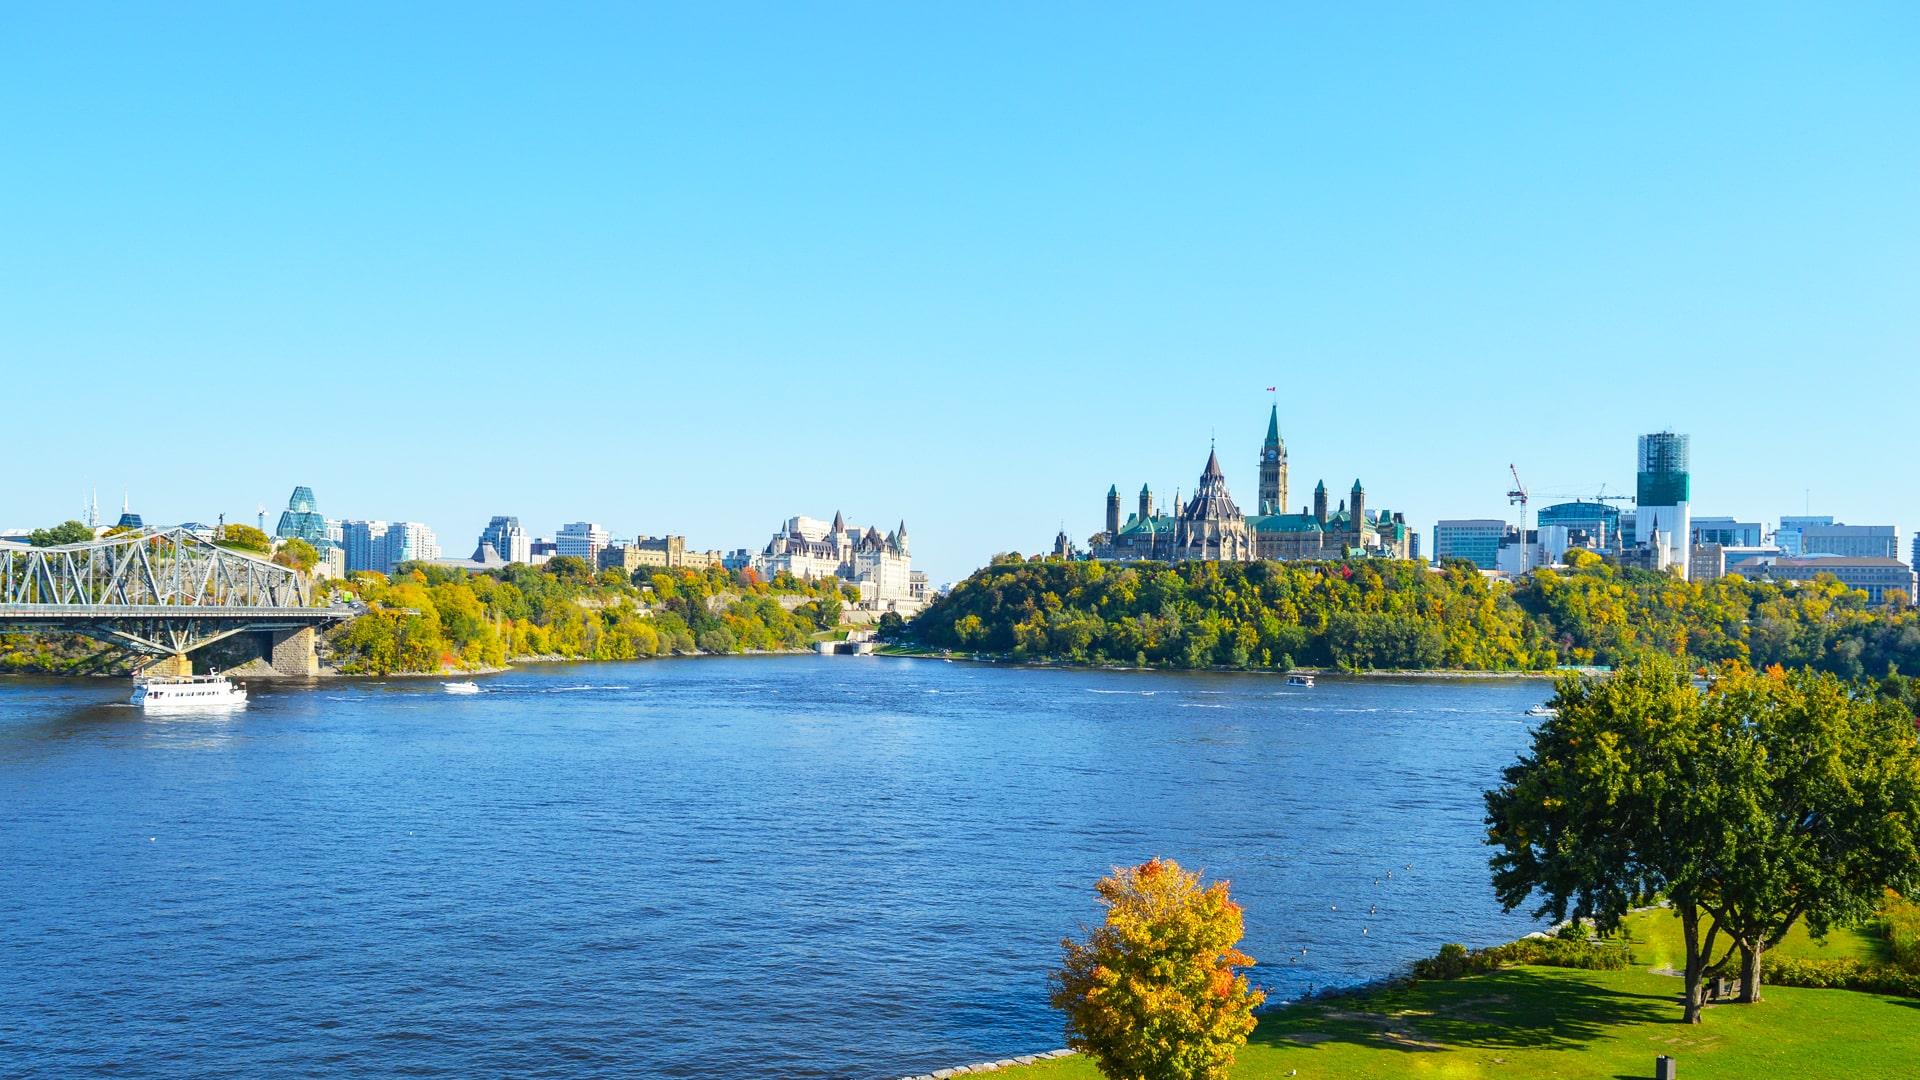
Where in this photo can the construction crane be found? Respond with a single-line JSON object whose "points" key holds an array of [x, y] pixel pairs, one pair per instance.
{"points": [[1519, 495]]}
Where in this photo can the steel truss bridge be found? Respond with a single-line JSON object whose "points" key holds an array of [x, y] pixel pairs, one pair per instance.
{"points": [[157, 592]]}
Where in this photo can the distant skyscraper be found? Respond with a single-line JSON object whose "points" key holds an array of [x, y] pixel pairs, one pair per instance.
{"points": [[366, 543], [410, 541], [1665, 490], [302, 519], [378, 546], [583, 539], [507, 539]]}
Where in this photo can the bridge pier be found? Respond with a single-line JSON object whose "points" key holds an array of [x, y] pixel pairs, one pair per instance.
{"points": [[177, 664], [292, 653]]}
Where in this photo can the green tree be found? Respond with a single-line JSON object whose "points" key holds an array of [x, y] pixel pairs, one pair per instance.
{"points": [[68, 532], [1156, 992], [298, 554], [568, 568], [1819, 809], [1604, 811]]}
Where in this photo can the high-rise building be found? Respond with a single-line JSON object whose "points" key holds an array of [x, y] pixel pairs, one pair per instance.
{"points": [[302, 520], [1665, 496], [410, 541], [1475, 539], [583, 539], [1914, 562], [378, 546], [507, 539], [366, 543]]}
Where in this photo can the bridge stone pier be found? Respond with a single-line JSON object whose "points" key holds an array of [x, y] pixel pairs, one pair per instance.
{"points": [[169, 665], [292, 653]]}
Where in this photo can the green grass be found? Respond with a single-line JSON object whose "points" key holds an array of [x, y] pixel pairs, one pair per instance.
{"points": [[1555, 1022]]}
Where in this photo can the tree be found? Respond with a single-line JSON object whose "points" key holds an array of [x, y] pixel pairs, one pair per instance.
{"points": [[298, 554], [892, 626], [245, 538], [69, 532], [569, 568], [1155, 993], [1770, 799], [1819, 808], [1604, 810]]}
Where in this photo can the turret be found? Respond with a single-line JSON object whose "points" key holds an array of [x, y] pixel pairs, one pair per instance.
{"points": [[1320, 502], [1146, 503], [1113, 510], [1359, 498], [902, 534]]}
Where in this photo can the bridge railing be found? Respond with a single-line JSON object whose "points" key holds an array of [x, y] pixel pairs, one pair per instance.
{"points": [[170, 568]]}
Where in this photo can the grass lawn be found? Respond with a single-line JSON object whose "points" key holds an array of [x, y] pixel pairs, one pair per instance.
{"points": [[1556, 1022]]}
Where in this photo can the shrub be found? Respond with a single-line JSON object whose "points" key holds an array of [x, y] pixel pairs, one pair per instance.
{"points": [[1842, 974], [1902, 917], [1154, 992], [1455, 961]]}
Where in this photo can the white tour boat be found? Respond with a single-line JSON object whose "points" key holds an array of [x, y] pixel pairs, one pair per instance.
{"points": [[187, 692], [1300, 680], [1543, 710], [468, 687]]}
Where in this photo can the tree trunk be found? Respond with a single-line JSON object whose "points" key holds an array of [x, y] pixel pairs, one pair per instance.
{"points": [[1750, 958], [1690, 926]]}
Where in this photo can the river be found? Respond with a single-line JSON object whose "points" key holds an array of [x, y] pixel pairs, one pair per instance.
{"points": [[795, 866]]}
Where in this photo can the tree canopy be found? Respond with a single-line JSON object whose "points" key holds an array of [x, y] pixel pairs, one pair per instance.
{"points": [[1764, 800], [67, 532]]}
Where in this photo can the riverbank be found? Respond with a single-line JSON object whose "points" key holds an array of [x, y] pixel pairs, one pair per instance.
{"points": [[1578, 1025], [914, 652]]}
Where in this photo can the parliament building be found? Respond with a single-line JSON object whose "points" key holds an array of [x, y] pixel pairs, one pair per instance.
{"points": [[1211, 527]]}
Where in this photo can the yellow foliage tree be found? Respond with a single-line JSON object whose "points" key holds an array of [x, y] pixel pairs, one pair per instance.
{"points": [[1154, 992]]}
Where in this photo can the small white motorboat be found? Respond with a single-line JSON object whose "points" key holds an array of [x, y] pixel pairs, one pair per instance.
{"points": [[1300, 680], [1543, 711], [468, 687], [187, 692]]}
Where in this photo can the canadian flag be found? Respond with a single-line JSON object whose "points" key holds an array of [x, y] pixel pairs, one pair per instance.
{"points": [[1272, 389]]}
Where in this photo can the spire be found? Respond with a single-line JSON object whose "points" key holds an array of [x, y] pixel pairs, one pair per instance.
{"points": [[1273, 427], [839, 525], [1113, 491], [1357, 487], [1212, 471]]}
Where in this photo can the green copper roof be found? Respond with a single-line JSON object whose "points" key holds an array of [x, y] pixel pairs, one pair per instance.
{"points": [[1273, 427], [1113, 492], [1284, 523]]}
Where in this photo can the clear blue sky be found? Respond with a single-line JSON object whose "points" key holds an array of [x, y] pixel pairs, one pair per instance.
{"points": [[696, 269]]}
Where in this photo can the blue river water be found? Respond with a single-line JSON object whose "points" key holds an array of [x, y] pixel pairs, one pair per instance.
{"points": [[795, 866]]}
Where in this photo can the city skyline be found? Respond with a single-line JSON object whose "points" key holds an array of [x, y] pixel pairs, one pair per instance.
{"points": [[958, 270]]}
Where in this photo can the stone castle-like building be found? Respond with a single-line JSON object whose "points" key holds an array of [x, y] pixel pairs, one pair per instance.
{"points": [[1211, 527]]}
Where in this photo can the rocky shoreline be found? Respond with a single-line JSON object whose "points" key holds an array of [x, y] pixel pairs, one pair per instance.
{"points": [[989, 1066]]}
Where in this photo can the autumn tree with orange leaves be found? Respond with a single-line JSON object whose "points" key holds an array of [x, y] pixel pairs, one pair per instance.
{"points": [[1155, 992]]}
